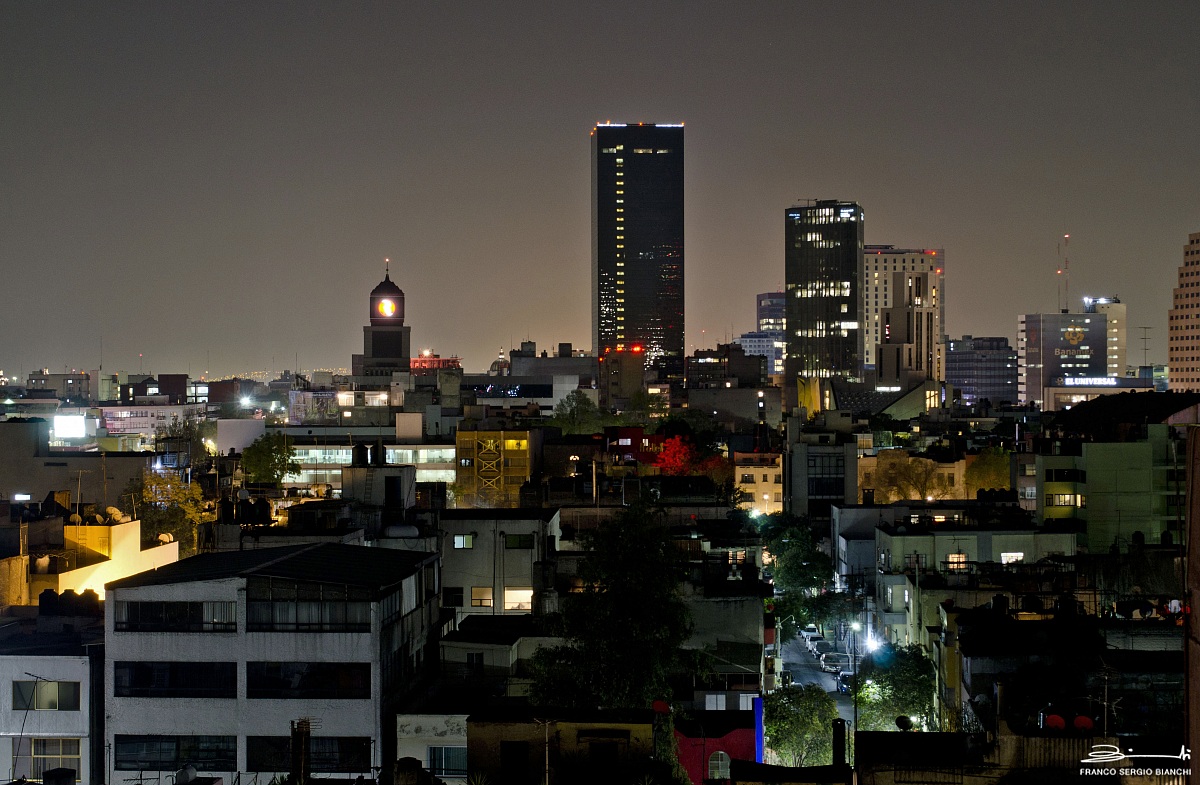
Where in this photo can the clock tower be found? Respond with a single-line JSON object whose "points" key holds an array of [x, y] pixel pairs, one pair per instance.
{"points": [[386, 340]]}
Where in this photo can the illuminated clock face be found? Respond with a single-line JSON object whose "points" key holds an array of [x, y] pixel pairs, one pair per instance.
{"points": [[386, 307]]}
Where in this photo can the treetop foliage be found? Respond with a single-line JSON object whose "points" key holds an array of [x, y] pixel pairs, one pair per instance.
{"points": [[623, 630], [269, 458]]}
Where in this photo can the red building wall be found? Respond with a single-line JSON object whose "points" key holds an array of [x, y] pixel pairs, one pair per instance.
{"points": [[695, 752]]}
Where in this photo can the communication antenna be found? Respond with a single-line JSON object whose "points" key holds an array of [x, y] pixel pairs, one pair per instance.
{"points": [[1145, 344], [1064, 271]]}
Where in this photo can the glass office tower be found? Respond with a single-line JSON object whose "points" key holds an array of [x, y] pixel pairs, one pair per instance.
{"points": [[637, 242], [822, 268]]}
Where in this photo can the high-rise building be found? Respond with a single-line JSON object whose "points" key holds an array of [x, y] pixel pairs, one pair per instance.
{"points": [[637, 241], [982, 369], [771, 311], [822, 272], [1056, 346], [1115, 349], [911, 341], [769, 338], [1183, 322], [879, 291]]}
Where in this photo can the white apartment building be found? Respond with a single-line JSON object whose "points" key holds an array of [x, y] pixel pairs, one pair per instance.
{"points": [[210, 660]]}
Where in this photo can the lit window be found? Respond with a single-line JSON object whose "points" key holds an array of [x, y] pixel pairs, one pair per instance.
{"points": [[718, 766], [464, 541], [956, 561], [481, 596], [518, 598], [1011, 558]]}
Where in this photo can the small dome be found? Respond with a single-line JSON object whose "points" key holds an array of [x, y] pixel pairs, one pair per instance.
{"points": [[387, 303], [386, 288]]}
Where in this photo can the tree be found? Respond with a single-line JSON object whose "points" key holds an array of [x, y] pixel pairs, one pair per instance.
{"points": [[578, 413], [798, 723], [895, 681], [989, 470], [796, 562], [902, 477], [623, 632], [195, 433], [643, 408], [171, 505], [269, 458], [677, 458]]}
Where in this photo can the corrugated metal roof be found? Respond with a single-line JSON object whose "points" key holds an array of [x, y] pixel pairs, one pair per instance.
{"points": [[377, 569]]}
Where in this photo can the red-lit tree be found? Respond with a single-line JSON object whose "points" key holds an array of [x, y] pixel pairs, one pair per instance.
{"points": [[678, 457]]}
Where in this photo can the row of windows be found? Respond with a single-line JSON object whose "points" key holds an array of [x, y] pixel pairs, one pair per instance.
{"points": [[516, 598], [511, 541], [42, 695], [325, 611], [327, 754], [749, 478], [266, 680], [176, 617]]}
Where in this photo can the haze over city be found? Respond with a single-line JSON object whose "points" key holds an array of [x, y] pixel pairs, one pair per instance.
{"points": [[213, 188]]}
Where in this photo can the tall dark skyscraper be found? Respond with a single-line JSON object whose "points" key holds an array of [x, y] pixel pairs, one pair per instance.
{"points": [[637, 241], [822, 268]]}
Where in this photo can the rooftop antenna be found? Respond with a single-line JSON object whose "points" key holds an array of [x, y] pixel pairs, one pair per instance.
{"points": [[1064, 269], [1145, 344], [387, 266]]}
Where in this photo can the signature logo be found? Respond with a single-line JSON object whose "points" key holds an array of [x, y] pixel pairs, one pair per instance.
{"points": [[1110, 753], [1074, 334]]}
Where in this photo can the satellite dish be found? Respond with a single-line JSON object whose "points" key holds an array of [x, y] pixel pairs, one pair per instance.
{"points": [[904, 722], [99, 519], [185, 775], [75, 519]]}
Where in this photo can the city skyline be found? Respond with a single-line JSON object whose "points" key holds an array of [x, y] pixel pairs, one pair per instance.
{"points": [[215, 188]]}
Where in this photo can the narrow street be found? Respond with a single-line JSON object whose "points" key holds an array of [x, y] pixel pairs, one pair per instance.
{"points": [[806, 669]]}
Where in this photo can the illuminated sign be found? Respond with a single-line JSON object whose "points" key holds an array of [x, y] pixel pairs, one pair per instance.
{"points": [[20, 497], [1090, 381], [69, 426]]}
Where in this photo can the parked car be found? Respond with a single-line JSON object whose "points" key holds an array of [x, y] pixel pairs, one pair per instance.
{"points": [[843, 681], [822, 647], [809, 631], [835, 662], [811, 640]]}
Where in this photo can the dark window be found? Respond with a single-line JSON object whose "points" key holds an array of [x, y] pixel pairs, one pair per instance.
{"points": [[287, 606], [321, 680], [747, 478], [518, 541], [42, 695], [171, 753], [452, 596], [176, 617], [448, 761], [329, 754], [175, 679]]}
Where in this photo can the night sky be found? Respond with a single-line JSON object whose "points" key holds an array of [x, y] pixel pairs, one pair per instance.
{"points": [[216, 185]]}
